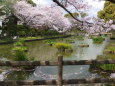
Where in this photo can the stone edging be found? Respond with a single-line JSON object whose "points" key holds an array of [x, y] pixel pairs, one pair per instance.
{"points": [[11, 42]]}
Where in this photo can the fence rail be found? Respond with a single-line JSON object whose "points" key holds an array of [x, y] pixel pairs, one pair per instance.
{"points": [[60, 81], [50, 63], [55, 82]]}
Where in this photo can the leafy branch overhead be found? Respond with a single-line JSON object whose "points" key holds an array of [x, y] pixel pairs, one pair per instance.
{"points": [[108, 12]]}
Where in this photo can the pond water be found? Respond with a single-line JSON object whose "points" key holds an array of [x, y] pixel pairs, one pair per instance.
{"points": [[42, 51]]}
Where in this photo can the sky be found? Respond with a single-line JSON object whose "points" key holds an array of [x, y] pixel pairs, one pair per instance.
{"points": [[96, 5]]}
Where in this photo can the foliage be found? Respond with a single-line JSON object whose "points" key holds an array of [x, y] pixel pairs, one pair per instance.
{"points": [[49, 41], [6, 39], [108, 12], [10, 30], [69, 16], [108, 66], [20, 56], [18, 43], [31, 2], [19, 30], [22, 31], [6, 7], [111, 48], [47, 32], [19, 48], [98, 39], [62, 46], [10, 25], [98, 24]]}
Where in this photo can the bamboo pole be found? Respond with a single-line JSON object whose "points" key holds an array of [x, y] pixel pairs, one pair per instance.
{"points": [[60, 70]]}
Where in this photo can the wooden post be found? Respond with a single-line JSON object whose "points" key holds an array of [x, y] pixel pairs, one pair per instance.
{"points": [[60, 70]]}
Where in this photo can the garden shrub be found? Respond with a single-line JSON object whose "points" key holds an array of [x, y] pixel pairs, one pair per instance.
{"points": [[47, 32], [108, 66], [98, 39], [63, 46], [20, 56], [11, 30], [49, 41], [18, 43], [20, 48], [111, 49], [22, 30]]}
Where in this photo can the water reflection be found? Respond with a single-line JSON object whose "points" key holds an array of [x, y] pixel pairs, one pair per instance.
{"points": [[42, 51]]}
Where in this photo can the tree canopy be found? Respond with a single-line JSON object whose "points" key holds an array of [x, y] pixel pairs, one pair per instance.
{"points": [[108, 12], [41, 16]]}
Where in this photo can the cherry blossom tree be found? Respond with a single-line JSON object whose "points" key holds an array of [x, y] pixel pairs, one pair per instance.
{"points": [[97, 26], [78, 5], [40, 16], [52, 17]]}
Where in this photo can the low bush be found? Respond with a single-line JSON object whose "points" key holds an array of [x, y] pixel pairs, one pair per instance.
{"points": [[18, 43], [63, 46], [98, 39], [111, 49], [20, 56], [108, 66], [19, 48], [49, 41], [47, 32]]}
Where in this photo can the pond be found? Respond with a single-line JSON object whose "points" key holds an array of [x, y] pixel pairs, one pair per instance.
{"points": [[42, 51]]}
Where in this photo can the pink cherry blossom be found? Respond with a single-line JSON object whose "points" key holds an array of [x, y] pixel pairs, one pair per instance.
{"points": [[42, 16]]}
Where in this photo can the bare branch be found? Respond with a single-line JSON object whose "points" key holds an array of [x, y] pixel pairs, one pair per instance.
{"points": [[59, 4]]}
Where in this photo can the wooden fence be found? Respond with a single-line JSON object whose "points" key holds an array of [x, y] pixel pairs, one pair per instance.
{"points": [[60, 81]]}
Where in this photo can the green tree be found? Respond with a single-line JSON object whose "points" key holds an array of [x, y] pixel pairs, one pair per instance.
{"points": [[6, 7], [108, 12], [10, 22], [31, 2]]}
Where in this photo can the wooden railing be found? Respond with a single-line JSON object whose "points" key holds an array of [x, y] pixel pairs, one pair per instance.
{"points": [[60, 81]]}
